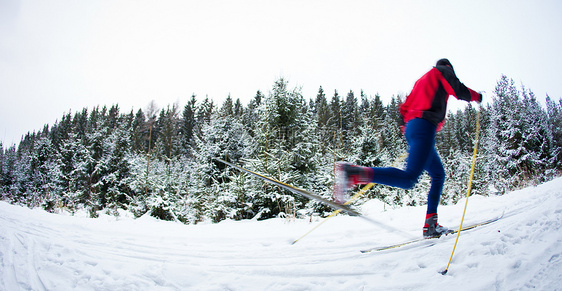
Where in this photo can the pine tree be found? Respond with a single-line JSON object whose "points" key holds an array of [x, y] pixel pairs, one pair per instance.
{"points": [[188, 122], [3, 176], [138, 132], [518, 142], [80, 123], [537, 140], [322, 110], [335, 120], [376, 112], [250, 116], [168, 145], [8, 172], [393, 141], [351, 119], [223, 137], [323, 116], [117, 173], [45, 173], [278, 149], [504, 136], [227, 108], [74, 156], [205, 111], [238, 108], [554, 112]]}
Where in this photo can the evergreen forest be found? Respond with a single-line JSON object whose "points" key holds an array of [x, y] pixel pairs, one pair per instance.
{"points": [[159, 161]]}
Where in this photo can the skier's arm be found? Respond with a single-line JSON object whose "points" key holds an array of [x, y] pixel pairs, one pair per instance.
{"points": [[454, 87]]}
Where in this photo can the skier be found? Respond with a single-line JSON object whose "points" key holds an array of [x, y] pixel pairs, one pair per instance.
{"points": [[423, 113]]}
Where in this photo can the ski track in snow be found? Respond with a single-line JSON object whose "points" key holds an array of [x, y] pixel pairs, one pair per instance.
{"points": [[523, 250]]}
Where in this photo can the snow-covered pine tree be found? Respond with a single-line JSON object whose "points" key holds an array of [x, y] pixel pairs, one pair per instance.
{"points": [[503, 140], [392, 138], [227, 108], [351, 118], [7, 173], [45, 172], [163, 193], [138, 133], [117, 173], [322, 118], [4, 176], [96, 164], [281, 148], [554, 112], [537, 140], [73, 153], [187, 126], [518, 142], [222, 137], [250, 116]]}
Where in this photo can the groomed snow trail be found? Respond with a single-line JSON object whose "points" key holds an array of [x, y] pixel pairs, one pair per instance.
{"points": [[42, 251]]}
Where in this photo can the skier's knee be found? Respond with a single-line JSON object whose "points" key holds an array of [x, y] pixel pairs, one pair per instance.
{"points": [[410, 183], [439, 177]]}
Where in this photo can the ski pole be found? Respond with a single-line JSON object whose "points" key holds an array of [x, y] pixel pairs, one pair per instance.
{"points": [[469, 188]]}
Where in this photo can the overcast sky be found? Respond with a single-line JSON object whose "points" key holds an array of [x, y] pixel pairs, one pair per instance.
{"points": [[59, 56]]}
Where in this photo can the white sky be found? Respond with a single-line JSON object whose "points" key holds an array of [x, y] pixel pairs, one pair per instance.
{"points": [[58, 56]]}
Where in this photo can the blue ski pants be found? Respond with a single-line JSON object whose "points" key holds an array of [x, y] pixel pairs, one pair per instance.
{"points": [[420, 135]]}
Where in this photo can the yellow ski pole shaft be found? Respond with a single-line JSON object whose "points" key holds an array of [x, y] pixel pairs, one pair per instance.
{"points": [[469, 188]]}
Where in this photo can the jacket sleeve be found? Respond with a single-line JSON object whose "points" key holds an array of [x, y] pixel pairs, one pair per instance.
{"points": [[454, 87]]}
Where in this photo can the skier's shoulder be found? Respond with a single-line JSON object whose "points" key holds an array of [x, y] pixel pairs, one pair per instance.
{"points": [[447, 72]]}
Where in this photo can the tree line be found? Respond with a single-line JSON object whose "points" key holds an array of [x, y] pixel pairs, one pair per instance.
{"points": [[160, 161]]}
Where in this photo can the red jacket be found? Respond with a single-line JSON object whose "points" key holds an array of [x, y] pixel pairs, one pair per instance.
{"points": [[428, 99]]}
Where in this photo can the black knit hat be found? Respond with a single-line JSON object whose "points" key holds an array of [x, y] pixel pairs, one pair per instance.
{"points": [[444, 62]]}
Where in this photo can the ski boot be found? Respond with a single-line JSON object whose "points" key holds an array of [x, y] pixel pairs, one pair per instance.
{"points": [[347, 176], [432, 229]]}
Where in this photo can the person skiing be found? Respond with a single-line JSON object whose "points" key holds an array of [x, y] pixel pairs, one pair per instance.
{"points": [[423, 113]]}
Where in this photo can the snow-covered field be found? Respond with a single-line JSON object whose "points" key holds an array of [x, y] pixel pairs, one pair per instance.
{"points": [[523, 250]]}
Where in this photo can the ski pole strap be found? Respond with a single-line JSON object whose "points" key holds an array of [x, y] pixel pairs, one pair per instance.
{"points": [[469, 186]]}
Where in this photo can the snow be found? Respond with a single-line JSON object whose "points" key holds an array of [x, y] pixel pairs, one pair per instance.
{"points": [[523, 250]]}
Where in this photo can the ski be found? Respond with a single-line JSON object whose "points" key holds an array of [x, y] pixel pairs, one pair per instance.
{"points": [[294, 189], [393, 246]]}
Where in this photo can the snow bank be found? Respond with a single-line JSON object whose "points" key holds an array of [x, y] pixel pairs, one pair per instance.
{"points": [[42, 251]]}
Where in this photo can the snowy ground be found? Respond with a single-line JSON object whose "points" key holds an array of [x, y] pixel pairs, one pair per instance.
{"points": [[41, 251]]}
